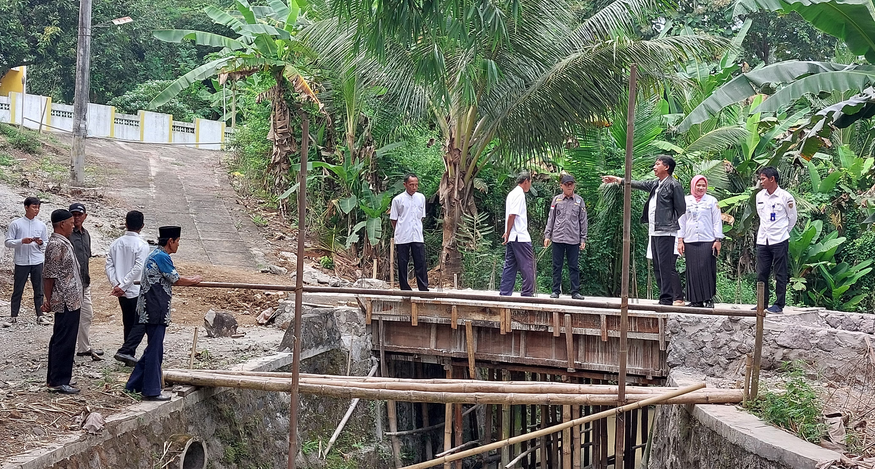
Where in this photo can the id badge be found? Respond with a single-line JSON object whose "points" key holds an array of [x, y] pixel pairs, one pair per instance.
{"points": [[772, 217]]}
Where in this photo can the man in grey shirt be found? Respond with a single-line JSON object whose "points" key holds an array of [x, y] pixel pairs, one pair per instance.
{"points": [[566, 229], [27, 236], [80, 238]]}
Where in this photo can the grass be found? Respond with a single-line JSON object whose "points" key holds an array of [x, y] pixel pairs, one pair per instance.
{"points": [[260, 220], [24, 140], [797, 410]]}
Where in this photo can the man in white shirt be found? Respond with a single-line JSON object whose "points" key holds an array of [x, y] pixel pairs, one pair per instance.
{"points": [[519, 256], [124, 266], [408, 210], [26, 236], [777, 211]]}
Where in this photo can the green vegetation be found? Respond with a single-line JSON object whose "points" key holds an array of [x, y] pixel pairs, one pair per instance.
{"points": [[23, 140], [798, 409], [465, 93]]}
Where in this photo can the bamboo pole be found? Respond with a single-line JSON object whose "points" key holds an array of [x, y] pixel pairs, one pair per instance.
{"points": [[193, 349], [758, 342], [346, 417], [391, 411], [557, 428], [483, 297], [566, 437], [348, 391], [748, 364], [299, 291], [620, 433], [392, 264], [448, 422]]}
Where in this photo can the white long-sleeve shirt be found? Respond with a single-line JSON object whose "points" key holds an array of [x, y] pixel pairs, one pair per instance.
{"points": [[702, 220], [32, 253], [124, 262], [777, 212]]}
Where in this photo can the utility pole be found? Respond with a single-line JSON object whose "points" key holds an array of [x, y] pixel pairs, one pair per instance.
{"points": [[80, 100]]}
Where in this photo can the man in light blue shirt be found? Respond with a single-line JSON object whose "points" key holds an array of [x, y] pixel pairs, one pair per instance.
{"points": [[26, 236]]}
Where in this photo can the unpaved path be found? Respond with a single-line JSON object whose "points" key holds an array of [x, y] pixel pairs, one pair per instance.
{"points": [[171, 185]]}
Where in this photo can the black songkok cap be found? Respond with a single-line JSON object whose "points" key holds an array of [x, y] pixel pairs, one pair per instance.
{"points": [[60, 215], [171, 232]]}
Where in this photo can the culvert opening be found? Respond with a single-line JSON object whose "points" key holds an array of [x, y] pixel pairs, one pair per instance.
{"points": [[194, 456]]}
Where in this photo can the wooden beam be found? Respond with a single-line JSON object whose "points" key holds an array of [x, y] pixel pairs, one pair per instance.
{"points": [[469, 342], [557, 329], [414, 314], [569, 342], [369, 311], [454, 317], [604, 327]]}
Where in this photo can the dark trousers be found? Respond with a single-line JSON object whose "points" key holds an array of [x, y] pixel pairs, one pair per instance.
{"points": [[518, 257], [62, 347], [571, 252], [133, 330], [146, 377], [22, 272], [769, 257], [665, 268], [418, 250]]}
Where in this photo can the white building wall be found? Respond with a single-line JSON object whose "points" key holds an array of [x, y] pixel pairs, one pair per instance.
{"points": [[155, 127], [127, 127], [35, 110], [62, 117], [5, 109], [100, 120]]}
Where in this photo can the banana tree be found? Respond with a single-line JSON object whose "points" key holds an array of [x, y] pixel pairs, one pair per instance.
{"points": [[504, 82], [265, 42]]}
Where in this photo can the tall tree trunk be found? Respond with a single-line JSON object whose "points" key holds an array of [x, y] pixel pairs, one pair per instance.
{"points": [[456, 199], [280, 134]]}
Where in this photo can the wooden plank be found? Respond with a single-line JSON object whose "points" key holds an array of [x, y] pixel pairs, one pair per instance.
{"points": [[454, 317], [662, 334], [604, 328], [414, 314], [556, 327], [522, 343], [469, 341], [569, 343], [369, 310], [501, 321], [433, 337], [508, 316]]}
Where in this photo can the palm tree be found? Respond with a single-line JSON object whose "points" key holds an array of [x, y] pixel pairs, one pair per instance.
{"points": [[265, 42], [504, 82]]}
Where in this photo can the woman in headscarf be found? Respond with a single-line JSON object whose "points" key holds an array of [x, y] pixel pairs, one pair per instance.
{"points": [[699, 240]]}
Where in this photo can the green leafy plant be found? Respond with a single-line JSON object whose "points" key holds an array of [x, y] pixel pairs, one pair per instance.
{"points": [[259, 220], [326, 262], [798, 409]]}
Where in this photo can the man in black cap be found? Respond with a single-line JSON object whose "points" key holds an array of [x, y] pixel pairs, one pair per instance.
{"points": [[566, 229], [81, 241], [63, 290], [153, 307]]}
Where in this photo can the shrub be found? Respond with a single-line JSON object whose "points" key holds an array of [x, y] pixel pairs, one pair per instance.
{"points": [[858, 250], [798, 409], [21, 139]]}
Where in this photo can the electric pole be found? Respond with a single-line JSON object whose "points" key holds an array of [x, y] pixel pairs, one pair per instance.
{"points": [[80, 100]]}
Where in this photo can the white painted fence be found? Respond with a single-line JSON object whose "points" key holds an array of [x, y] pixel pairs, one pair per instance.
{"points": [[152, 127]]}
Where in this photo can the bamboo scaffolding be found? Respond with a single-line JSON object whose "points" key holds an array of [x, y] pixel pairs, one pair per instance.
{"points": [[406, 294], [661, 399], [455, 385], [347, 391], [758, 342], [430, 427]]}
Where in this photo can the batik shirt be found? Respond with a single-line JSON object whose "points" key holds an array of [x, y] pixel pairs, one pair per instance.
{"points": [[62, 266], [159, 275]]}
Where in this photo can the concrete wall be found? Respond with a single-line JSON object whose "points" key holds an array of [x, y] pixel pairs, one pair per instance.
{"points": [[104, 122], [240, 429], [13, 81]]}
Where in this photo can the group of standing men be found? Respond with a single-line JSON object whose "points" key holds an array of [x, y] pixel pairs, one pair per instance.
{"points": [[58, 269], [678, 224]]}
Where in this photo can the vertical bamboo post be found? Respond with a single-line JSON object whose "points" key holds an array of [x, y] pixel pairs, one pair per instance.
{"points": [[455, 281], [448, 421], [758, 344], [429, 453], [193, 349], [624, 289], [457, 428], [375, 269], [392, 263], [299, 290], [505, 427], [566, 438], [390, 405], [745, 390], [469, 342], [575, 438], [487, 418]]}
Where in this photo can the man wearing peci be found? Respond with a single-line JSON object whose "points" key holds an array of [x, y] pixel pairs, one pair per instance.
{"points": [[63, 289], [406, 214], [777, 212], [665, 205], [566, 229], [153, 307]]}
